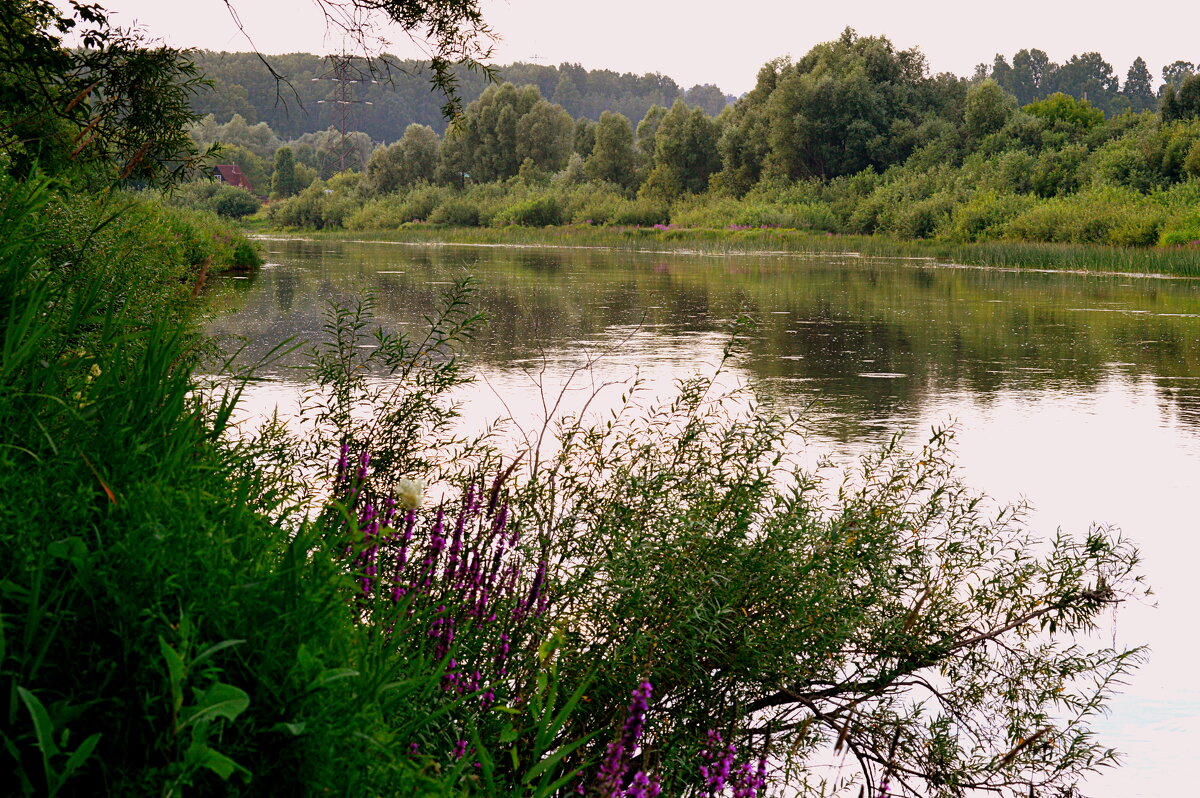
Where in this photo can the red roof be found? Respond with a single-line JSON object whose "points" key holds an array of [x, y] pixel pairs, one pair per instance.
{"points": [[232, 174]]}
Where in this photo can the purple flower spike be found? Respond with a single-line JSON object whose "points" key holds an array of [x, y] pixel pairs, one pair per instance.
{"points": [[343, 465], [460, 749], [389, 511], [611, 776], [719, 761], [747, 782], [642, 787], [535, 594]]}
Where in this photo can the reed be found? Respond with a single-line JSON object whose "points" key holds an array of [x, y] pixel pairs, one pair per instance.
{"points": [[1182, 260]]}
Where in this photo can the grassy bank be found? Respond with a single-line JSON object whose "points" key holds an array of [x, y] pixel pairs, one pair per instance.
{"points": [[1181, 261]]}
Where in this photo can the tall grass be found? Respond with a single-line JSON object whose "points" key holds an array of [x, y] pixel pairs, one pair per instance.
{"points": [[1183, 260], [173, 622]]}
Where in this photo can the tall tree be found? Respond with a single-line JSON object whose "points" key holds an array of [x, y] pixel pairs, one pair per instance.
{"points": [[836, 111], [647, 129], [1187, 100], [585, 136], [1031, 74], [708, 97], [1089, 77], [284, 182], [410, 160], [743, 143], [988, 108], [259, 139], [546, 136], [1138, 89], [1174, 73], [613, 158], [329, 152], [489, 130], [685, 151]]}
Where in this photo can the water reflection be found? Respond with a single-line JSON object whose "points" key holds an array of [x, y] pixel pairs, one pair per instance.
{"points": [[1081, 393]]}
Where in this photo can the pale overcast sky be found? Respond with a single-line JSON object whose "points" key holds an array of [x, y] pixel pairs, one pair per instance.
{"points": [[701, 41]]}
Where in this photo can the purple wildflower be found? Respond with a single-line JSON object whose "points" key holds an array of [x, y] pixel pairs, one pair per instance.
{"points": [[436, 543], [749, 781], [535, 592], [642, 787], [502, 655], [611, 776], [718, 759], [343, 465]]}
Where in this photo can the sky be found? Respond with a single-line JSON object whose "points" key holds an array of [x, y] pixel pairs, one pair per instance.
{"points": [[700, 41]]}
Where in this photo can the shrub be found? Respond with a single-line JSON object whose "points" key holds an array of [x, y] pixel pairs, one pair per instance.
{"points": [[420, 202], [1066, 113], [593, 203], [641, 212], [535, 212], [699, 559], [385, 213], [324, 205], [234, 202], [1137, 228], [1098, 216], [984, 216], [456, 212], [923, 218], [1131, 161], [1057, 172], [1181, 230]]}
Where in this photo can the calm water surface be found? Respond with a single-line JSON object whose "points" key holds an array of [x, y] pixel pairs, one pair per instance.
{"points": [[1078, 393]]}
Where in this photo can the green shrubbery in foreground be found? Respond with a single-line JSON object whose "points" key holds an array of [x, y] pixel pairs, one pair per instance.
{"points": [[187, 609]]}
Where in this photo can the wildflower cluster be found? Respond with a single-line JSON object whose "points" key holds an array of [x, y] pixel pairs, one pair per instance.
{"points": [[610, 780], [462, 575], [720, 769]]}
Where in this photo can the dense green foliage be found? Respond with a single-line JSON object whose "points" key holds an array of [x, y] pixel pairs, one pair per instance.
{"points": [[112, 109], [854, 138], [242, 86], [166, 626], [191, 607]]}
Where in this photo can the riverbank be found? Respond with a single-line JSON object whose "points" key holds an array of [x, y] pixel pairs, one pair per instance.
{"points": [[1180, 261]]}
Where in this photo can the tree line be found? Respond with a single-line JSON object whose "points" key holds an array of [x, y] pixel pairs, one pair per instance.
{"points": [[854, 137], [391, 94]]}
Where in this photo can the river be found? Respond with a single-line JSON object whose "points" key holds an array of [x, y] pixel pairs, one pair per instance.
{"points": [[1079, 393]]}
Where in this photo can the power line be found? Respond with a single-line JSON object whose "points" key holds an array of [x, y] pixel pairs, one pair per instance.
{"points": [[344, 75]]}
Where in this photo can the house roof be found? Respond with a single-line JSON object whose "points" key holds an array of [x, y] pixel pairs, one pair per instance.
{"points": [[233, 175]]}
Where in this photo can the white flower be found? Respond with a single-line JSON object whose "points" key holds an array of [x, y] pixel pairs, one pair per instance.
{"points": [[411, 492]]}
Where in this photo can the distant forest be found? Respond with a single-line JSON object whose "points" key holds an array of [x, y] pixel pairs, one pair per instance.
{"points": [[386, 104]]}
